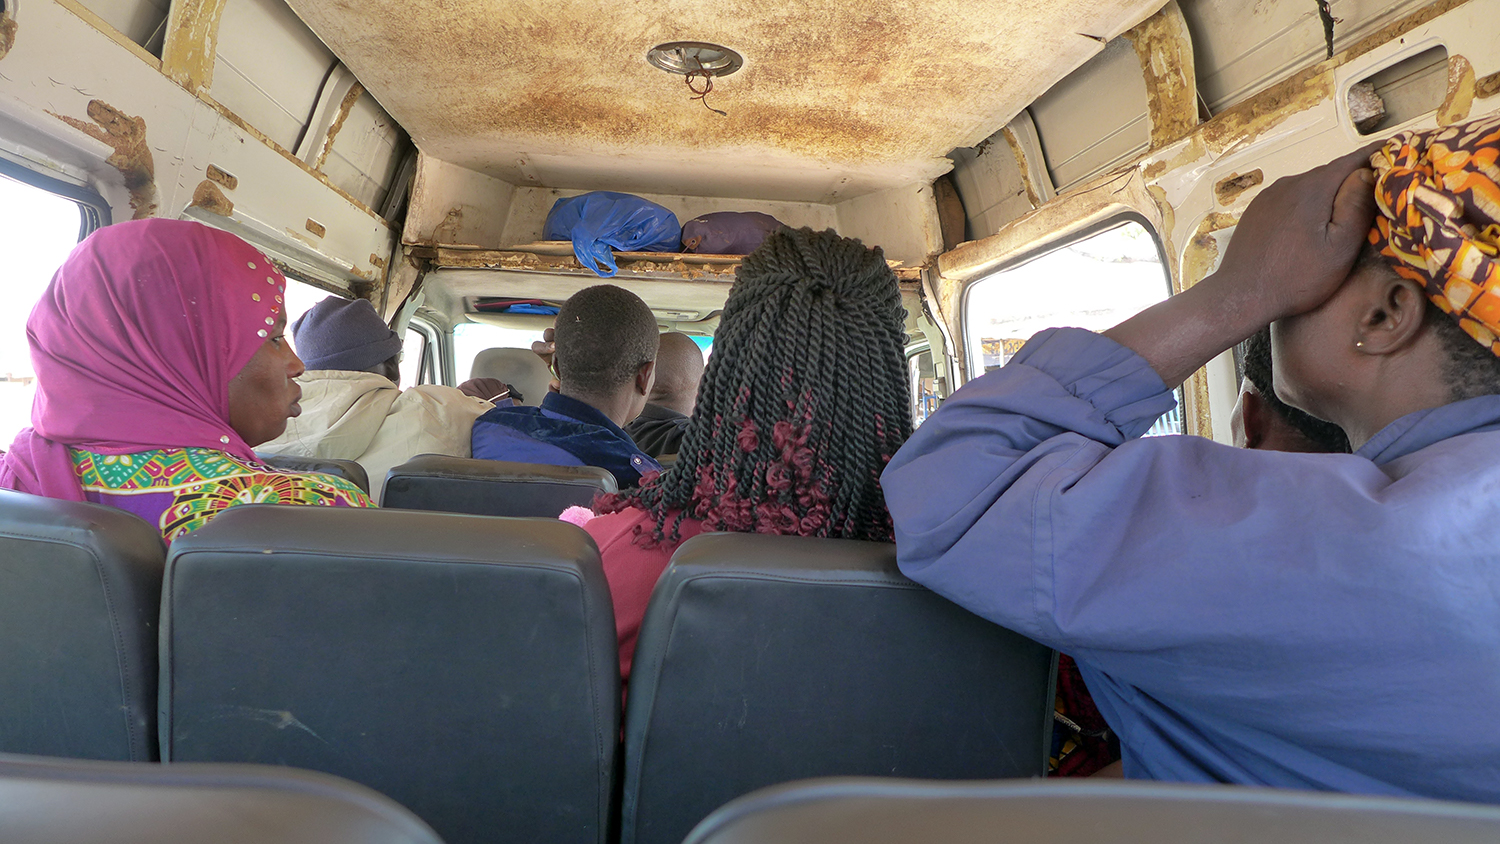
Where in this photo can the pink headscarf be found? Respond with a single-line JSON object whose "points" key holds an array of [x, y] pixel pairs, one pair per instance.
{"points": [[135, 342]]}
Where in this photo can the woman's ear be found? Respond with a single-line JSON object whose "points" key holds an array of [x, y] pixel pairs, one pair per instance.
{"points": [[1393, 315]]}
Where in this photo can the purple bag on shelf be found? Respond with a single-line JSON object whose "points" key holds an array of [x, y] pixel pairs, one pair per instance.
{"points": [[727, 232], [602, 221]]}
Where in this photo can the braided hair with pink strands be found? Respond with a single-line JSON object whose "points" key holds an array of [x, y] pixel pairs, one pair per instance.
{"points": [[803, 402]]}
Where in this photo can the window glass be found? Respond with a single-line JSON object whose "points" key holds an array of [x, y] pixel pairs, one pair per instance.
{"points": [[926, 389], [1094, 282], [37, 231], [413, 348], [300, 297], [471, 338]]}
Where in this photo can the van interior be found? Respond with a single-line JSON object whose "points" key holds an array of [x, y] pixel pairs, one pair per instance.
{"points": [[1021, 164]]}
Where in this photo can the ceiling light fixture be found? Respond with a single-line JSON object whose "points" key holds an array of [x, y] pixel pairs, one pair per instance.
{"points": [[695, 58]]}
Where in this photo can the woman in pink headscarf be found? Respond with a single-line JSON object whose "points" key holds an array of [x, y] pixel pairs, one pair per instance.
{"points": [[160, 363]]}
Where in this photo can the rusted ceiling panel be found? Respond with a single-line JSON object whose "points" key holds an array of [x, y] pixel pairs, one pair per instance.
{"points": [[835, 98]]}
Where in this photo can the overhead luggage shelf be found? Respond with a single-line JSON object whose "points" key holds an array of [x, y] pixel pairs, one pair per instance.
{"points": [[556, 257]]}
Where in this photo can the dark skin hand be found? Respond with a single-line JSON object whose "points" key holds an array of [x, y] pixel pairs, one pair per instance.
{"points": [[1292, 249]]}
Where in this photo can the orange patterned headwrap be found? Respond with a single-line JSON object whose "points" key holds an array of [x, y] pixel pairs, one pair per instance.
{"points": [[1439, 222]]}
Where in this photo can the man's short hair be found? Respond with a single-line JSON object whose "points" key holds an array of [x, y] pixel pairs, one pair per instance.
{"points": [[1256, 368], [603, 335]]}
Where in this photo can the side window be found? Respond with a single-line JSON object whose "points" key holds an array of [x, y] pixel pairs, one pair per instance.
{"points": [[926, 387], [37, 231], [414, 365], [1094, 281], [300, 297]]}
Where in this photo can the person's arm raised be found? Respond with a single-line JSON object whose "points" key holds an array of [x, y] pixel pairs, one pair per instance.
{"points": [[1292, 249]]}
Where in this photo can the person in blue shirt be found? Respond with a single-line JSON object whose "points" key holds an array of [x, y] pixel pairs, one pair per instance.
{"points": [[605, 358], [1317, 621]]}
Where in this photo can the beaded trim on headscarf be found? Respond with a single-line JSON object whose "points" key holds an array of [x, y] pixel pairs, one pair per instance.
{"points": [[1439, 222]]}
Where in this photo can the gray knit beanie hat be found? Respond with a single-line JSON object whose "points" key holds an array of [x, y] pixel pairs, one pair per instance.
{"points": [[347, 334]]}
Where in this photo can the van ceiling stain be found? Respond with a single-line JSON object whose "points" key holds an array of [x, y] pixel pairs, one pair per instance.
{"points": [[835, 98]]}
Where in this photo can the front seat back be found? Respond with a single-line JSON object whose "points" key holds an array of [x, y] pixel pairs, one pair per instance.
{"points": [[349, 470], [462, 666], [492, 487], [764, 659], [80, 590], [57, 801], [1134, 812]]}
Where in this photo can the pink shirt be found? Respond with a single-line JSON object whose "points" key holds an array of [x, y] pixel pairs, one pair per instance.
{"points": [[631, 570]]}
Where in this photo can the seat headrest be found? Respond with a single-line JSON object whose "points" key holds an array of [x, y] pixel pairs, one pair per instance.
{"points": [[349, 470], [60, 801], [895, 811], [520, 368], [492, 487]]}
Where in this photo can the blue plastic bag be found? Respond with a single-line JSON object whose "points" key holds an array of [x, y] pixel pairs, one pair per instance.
{"points": [[602, 221]]}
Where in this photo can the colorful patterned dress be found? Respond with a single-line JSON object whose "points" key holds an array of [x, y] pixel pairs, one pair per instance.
{"points": [[180, 490]]}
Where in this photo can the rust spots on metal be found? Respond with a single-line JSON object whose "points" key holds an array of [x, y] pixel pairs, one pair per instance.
{"points": [[317, 228], [1202, 252], [220, 177], [1230, 187], [345, 106], [377, 261], [1459, 98], [480, 84], [950, 209], [1168, 222], [210, 198], [282, 151], [191, 42], [7, 32], [1165, 51], [1305, 89], [1489, 86], [1246, 121], [447, 231], [132, 156], [1396, 29], [1033, 196]]}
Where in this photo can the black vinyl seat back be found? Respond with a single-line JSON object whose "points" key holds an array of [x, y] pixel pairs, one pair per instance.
{"points": [[349, 470], [1120, 812], [764, 659], [80, 591], [463, 666], [64, 801], [492, 487]]}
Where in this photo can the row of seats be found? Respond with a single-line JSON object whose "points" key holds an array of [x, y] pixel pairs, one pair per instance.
{"points": [[466, 666], [51, 801], [67, 801], [462, 485], [907, 812]]}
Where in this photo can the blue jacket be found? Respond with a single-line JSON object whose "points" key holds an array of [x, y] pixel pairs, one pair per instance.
{"points": [[1317, 621], [562, 432]]}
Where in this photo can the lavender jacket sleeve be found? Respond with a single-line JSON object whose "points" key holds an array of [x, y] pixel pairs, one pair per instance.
{"points": [[1031, 499], [1243, 616]]}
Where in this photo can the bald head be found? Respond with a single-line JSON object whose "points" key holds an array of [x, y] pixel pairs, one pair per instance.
{"points": [[679, 367]]}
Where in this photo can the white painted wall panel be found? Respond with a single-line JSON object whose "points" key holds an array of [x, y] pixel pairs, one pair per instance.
{"points": [[366, 152], [1242, 47], [269, 68], [137, 20], [60, 62], [1095, 118]]}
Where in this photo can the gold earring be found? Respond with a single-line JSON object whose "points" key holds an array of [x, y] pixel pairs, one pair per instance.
{"points": [[1359, 344]]}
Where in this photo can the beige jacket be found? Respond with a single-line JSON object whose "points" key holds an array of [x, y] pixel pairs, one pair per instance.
{"points": [[362, 416]]}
